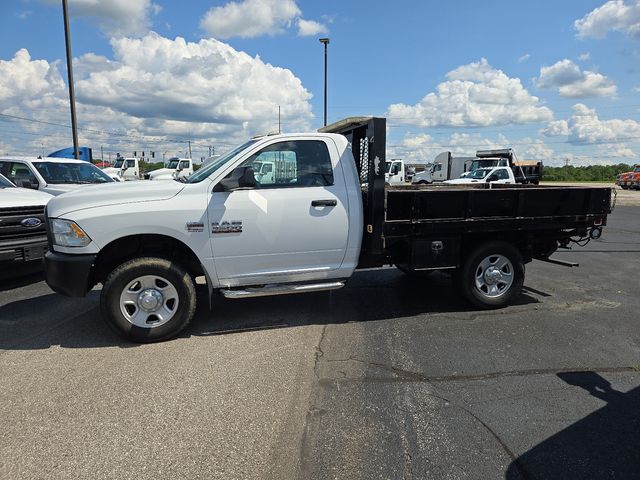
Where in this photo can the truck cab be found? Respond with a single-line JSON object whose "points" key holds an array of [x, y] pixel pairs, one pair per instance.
{"points": [[177, 168], [395, 172], [124, 169]]}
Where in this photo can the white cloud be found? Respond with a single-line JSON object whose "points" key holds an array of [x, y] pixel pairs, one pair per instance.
{"points": [[573, 82], [34, 83], [614, 15], [250, 18], [208, 81], [422, 148], [474, 95], [307, 28], [115, 17], [584, 126], [157, 88], [620, 150], [524, 58], [583, 57]]}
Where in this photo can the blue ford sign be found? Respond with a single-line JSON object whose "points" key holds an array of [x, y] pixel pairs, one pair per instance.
{"points": [[31, 222]]}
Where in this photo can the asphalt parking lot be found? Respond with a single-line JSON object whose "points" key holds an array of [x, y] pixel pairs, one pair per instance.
{"points": [[388, 378]]}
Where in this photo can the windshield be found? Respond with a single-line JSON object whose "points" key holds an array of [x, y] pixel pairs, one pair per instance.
{"points": [[57, 172], [173, 163], [4, 183], [479, 174], [487, 162], [118, 164], [210, 168]]}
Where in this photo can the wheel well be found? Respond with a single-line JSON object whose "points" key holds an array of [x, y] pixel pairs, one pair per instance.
{"points": [[519, 241], [127, 248]]}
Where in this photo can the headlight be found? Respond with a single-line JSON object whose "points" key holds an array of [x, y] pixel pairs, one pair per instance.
{"points": [[68, 234]]}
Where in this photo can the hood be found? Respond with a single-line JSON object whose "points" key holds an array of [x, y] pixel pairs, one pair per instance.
{"points": [[161, 171], [464, 180], [113, 194], [60, 188], [163, 176], [22, 197]]}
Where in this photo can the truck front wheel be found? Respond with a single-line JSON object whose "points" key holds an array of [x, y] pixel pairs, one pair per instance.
{"points": [[492, 275], [148, 299]]}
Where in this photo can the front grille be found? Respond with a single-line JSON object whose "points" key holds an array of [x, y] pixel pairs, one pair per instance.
{"points": [[11, 228]]}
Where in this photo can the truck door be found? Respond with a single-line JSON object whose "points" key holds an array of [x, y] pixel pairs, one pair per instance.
{"points": [[291, 224], [440, 171]]}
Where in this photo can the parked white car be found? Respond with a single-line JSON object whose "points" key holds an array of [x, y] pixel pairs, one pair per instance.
{"points": [[51, 175], [486, 175], [176, 168]]}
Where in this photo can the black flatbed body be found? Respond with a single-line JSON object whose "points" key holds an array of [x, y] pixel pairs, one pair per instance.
{"points": [[423, 227]]}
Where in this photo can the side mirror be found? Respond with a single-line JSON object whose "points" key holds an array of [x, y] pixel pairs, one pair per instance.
{"points": [[124, 167], [240, 177], [26, 183]]}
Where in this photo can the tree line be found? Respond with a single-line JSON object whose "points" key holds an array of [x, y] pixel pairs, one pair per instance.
{"points": [[591, 173]]}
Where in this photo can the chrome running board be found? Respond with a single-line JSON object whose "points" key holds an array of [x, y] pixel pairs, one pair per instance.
{"points": [[281, 289]]}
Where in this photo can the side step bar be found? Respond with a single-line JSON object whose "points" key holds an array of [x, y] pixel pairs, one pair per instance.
{"points": [[282, 289]]}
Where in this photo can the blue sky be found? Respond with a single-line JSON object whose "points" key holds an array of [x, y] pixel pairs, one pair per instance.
{"points": [[555, 80]]}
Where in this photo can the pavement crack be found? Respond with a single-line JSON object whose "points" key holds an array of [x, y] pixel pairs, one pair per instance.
{"points": [[513, 457], [412, 376]]}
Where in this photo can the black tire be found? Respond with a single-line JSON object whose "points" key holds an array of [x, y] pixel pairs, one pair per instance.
{"points": [[161, 272], [474, 272], [423, 182]]}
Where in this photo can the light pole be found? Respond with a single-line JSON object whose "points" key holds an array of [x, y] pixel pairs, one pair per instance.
{"points": [[325, 41], [72, 97]]}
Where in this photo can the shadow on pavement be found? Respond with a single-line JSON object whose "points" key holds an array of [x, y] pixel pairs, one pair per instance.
{"points": [[603, 445], [51, 319], [9, 283], [369, 296]]}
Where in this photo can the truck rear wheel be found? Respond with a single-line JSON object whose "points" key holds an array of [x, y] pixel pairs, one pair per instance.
{"points": [[492, 275], [148, 299]]}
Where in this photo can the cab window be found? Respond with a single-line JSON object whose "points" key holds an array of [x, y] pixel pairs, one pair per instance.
{"points": [[296, 163]]}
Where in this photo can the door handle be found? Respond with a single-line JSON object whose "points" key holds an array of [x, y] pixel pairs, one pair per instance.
{"points": [[324, 203]]}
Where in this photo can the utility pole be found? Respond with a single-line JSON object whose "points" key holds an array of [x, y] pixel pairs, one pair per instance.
{"points": [[279, 129], [325, 41], [72, 97], [189, 148], [101, 154]]}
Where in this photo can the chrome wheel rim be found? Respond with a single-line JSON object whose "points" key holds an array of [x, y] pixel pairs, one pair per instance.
{"points": [[494, 276], [149, 301]]}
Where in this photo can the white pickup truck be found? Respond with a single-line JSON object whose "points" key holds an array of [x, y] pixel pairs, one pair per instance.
{"points": [[23, 238], [493, 175], [176, 168], [145, 242], [51, 175]]}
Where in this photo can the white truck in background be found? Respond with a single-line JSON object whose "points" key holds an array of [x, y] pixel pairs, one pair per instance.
{"points": [[444, 167], [124, 169], [395, 172], [177, 168], [447, 167], [486, 175]]}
